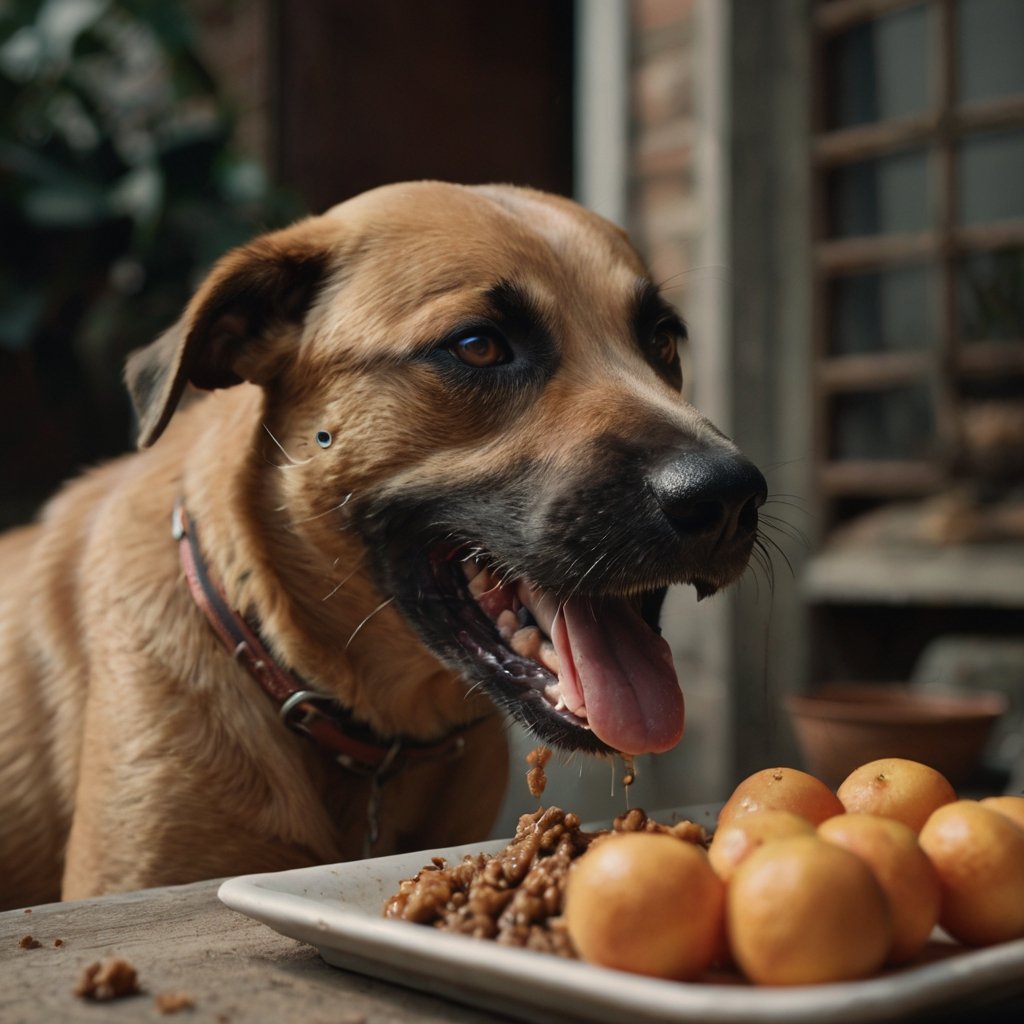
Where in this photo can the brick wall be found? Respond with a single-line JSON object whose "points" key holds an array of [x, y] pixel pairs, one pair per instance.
{"points": [[664, 213]]}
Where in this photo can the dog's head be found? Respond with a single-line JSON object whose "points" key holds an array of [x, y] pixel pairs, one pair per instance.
{"points": [[485, 387]]}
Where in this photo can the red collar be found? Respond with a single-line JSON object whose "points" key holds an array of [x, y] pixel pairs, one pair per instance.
{"points": [[320, 717]]}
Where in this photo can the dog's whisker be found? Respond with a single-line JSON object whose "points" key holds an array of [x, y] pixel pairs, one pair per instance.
{"points": [[768, 568], [751, 574], [767, 542], [571, 568], [477, 687], [593, 565], [763, 545], [379, 608], [344, 501], [787, 530], [760, 565], [676, 280], [339, 585], [794, 503], [799, 500], [765, 574], [294, 462]]}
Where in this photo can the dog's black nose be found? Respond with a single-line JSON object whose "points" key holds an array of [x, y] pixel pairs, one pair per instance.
{"points": [[706, 494]]}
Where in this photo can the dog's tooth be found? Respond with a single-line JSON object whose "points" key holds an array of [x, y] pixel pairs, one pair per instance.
{"points": [[548, 657], [580, 711], [507, 624], [555, 697], [526, 641], [480, 583], [541, 604], [471, 568]]}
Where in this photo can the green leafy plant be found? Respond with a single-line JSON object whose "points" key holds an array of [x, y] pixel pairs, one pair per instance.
{"points": [[119, 185]]}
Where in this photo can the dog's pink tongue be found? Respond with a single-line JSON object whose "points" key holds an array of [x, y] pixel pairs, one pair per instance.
{"points": [[622, 671]]}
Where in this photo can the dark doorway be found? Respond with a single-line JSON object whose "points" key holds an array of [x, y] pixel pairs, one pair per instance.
{"points": [[369, 93]]}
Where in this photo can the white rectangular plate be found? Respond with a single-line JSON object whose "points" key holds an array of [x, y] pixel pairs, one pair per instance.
{"points": [[337, 908]]}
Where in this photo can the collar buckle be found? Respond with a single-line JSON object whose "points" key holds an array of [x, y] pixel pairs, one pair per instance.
{"points": [[295, 703]]}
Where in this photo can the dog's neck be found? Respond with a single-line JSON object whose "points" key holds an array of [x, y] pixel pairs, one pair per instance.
{"points": [[318, 716]]}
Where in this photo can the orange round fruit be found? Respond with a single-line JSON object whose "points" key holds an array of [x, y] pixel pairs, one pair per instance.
{"points": [[734, 841], [800, 911], [1011, 806], [908, 879], [782, 789], [978, 854], [646, 903], [895, 787]]}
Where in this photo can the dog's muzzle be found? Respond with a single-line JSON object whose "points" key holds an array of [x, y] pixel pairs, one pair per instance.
{"points": [[551, 604]]}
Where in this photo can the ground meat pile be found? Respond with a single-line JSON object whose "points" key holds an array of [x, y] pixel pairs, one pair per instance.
{"points": [[515, 897]]}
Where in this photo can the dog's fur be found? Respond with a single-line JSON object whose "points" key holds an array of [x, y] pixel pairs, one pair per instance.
{"points": [[133, 750]]}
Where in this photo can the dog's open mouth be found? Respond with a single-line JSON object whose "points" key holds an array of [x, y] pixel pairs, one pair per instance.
{"points": [[545, 594], [582, 671]]}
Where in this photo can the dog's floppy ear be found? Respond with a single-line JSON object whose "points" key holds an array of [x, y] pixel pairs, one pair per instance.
{"points": [[224, 334]]}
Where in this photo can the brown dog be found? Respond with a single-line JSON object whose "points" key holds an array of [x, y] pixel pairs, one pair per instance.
{"points": [[445, 466]]}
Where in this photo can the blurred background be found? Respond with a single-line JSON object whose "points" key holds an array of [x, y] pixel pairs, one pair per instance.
{"points": [[832, 192]]}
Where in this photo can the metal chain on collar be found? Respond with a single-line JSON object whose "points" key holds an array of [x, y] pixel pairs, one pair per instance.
{"points": [[377, 779], [373, 800]]}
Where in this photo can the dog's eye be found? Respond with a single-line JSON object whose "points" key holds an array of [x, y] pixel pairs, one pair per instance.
{"points": [[664, 344], [481, 350]]}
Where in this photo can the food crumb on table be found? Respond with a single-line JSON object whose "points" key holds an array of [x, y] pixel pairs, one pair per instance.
{"points": [[112, 979], [28, 942], [172, 1002]]}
